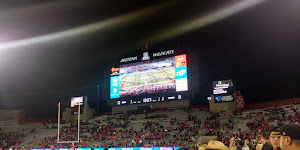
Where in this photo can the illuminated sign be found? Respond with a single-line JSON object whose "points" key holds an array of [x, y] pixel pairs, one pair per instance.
{"points": [[181, 73], [181, 85], [219, 91], [222, 87], [169, 52], [82, 148], [180, 61], [129, 148], [146, 148], [114, 87], [226, 98], [128, 59], [115, 71]]}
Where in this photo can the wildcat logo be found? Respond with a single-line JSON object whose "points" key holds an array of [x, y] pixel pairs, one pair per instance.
{"points": [[145, 56]]}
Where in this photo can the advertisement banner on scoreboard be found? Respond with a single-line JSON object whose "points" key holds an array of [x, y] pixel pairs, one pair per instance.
{"points": [[181, 84], [114, 87], [181, 73], [180, 61]]}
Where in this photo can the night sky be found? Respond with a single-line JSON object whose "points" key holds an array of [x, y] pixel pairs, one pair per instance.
{"points": [[53, 50]]}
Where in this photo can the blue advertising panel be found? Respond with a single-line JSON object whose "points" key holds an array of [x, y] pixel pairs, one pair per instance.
{"points": [[117, 148], [98, 148], [114, 87], [168, 148], [82, 148], [181, 72]]}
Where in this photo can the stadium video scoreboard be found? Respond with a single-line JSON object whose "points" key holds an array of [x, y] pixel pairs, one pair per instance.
{"points": [[151, 77]]}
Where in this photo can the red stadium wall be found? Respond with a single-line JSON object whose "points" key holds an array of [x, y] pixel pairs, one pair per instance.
{"points": [[273, 103]]}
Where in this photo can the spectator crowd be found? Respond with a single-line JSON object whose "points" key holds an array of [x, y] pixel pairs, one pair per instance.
{"points": [[263, 129]]}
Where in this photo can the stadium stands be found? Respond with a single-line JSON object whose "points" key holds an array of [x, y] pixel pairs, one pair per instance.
{"points": [[168, 127]]}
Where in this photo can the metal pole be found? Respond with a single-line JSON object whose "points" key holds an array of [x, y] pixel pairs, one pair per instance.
{"points": [[58, 122], [78, 120], [97, 100]]}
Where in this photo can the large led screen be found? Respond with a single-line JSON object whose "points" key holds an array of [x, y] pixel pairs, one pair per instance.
{"points": [[222, 87], [150, 77]]}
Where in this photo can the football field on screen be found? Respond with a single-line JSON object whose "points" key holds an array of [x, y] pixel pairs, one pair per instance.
{"points": [[147, 77]]}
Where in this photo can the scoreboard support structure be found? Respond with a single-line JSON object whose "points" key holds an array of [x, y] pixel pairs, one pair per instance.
{"points": [[237, 103], [157, 105]]}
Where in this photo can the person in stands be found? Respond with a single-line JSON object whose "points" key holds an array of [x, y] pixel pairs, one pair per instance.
{"points": [[274, 139], [243, 145], [235, 144], [213, 145], [265, 141], [290, 137], [52, 147]]}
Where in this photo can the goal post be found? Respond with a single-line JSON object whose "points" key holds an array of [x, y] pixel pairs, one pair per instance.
{"points": [[58, 126]]}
